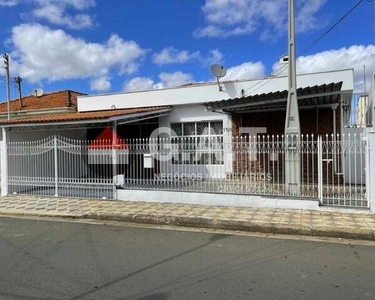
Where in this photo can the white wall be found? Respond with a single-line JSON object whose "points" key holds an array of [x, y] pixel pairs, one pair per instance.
{"points": [[197, 113], [217, 200], [209, 92]]}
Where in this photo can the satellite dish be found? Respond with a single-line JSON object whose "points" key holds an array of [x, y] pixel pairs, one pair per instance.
{"points": [[218, 71], [38, 92]]}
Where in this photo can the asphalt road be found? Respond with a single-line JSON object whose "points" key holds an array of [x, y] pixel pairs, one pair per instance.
{"points": [[64, 260]]}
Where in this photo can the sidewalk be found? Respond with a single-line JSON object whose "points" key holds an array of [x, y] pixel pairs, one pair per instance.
{"points": [[341, 224]]}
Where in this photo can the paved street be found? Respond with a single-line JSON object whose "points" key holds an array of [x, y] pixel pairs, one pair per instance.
{"points": [[43, 259]]}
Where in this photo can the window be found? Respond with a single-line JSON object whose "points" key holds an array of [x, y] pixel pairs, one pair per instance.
{"points": [[198, 143]]}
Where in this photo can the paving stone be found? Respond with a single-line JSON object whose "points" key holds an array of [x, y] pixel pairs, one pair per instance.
{"points": [[286, 218]]}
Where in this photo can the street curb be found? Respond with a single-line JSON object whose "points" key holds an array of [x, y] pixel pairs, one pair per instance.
{"points": [[204, 222], [43, 214]]}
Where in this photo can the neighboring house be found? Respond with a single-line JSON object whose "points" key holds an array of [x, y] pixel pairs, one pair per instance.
{"points": [[47, 103], [56, 113], [226, 141], [363, 111]]}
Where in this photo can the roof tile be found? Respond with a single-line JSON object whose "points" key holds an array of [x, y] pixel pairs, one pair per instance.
{"points": [[48, 100], [80, 116]]}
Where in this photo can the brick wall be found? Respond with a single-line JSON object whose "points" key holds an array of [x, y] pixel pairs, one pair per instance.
{"points": [[275, 121]]}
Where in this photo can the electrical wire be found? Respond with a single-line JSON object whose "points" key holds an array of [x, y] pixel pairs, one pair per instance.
{"points": [[278, 71], [26, 87], [324, 34]]}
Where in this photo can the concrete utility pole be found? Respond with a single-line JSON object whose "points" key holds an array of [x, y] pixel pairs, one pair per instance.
{"points": [[292, 124], [19, 88], [6, 67]]}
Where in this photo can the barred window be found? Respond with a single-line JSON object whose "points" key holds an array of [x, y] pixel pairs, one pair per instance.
{"points": [[198, 143]]}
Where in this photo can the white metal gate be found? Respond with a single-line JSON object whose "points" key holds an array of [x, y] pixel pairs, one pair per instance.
{"points": [[343, 170], [57, 166]]}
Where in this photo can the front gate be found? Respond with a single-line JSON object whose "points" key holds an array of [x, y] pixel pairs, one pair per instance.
{"points": [[58, 166], [343, 170]]}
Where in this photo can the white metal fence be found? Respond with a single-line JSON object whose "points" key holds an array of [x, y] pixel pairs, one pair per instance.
{"points": [[331, 168], [61, 167]]}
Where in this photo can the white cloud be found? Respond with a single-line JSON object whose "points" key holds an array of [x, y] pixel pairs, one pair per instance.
{"points": [[243, 17], [173, 79], [139, 84], [101, 84], [59, 12], [9, 2], [345, 58], [215, 56], [42, 53], [77, 4], [55, 14], [166, 80], [171, 55], [247, 70]]}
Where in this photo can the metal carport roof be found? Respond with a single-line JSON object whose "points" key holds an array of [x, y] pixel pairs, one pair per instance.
{"points": [[311, 96]]}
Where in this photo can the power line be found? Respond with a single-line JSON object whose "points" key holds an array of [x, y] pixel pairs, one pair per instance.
{"points": [[278, 71], [324, 34], [27, 87]]}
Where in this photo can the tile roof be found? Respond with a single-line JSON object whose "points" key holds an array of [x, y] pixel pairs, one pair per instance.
{"points": [[81, 116], [48, 100]]}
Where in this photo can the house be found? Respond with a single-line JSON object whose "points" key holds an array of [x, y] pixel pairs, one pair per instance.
{"points": [[194, 138]]}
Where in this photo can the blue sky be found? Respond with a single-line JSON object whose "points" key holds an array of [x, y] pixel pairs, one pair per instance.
{"points": [[98, 46]]}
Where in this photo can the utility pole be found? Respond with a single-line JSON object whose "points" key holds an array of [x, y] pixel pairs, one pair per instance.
{"points": [[292, 123], [19, 88], [6, 67]]}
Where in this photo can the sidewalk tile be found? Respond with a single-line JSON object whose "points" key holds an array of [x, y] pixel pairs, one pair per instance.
{"points": [[262, 217]]}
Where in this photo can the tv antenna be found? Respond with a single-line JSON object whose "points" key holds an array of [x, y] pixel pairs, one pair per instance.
{"points": [[218, 71]]}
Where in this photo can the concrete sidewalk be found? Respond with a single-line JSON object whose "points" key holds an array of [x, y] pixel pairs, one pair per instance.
{"points": [[327, 223]]}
